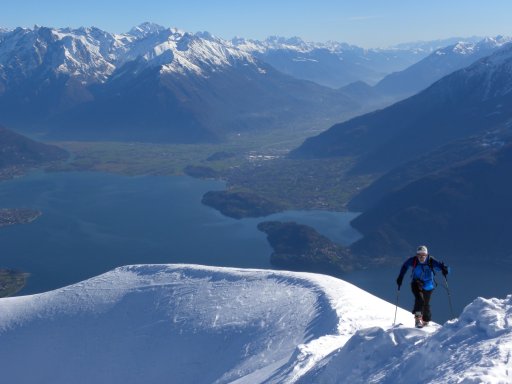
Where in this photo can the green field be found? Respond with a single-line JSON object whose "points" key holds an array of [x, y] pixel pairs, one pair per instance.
{"points": [[254, 163]]}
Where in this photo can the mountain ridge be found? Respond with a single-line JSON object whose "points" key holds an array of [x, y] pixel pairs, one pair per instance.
{"points": [[461, 208], [438, 64], [466, 102]]}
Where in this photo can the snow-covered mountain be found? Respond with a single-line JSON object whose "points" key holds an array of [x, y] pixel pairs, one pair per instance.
{"points": [[87, 54], [332, 64], [181, 52], [194, 324], [92, 55], [44, 71], [153, 83], [440, 63]]}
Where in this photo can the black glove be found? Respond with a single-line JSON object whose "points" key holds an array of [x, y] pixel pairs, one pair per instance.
{"points": [[444, 270], [399, 281]]}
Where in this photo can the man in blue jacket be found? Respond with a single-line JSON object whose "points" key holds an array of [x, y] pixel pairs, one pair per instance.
{"points": [[422, 282]]}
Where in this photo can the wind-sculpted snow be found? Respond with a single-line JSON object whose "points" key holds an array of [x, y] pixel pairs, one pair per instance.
{"points": [[476, 348], [194, 324]]}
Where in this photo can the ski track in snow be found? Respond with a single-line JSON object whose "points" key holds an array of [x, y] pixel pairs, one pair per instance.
{"points": [[195, 324]]}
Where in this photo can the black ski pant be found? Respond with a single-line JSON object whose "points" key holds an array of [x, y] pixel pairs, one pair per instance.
{"points": [[421, 300]]}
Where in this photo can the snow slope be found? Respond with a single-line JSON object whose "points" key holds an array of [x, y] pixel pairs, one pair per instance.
{"points": [[194, 324]]}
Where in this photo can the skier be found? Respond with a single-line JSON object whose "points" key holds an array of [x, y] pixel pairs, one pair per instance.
{"points": [[423, 269]]}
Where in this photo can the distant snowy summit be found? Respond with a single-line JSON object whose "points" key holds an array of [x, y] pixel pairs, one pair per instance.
{"points": [[195, 324], [145, 29], [92, 54], [441, 62], [337, 64], [298, 44]]}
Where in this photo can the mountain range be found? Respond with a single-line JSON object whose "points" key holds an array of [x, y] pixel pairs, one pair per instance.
{"points": [[467, 102], [440, 63], [336, 64], [195, 324], [151, 84], [331, 64], [164, 84]]}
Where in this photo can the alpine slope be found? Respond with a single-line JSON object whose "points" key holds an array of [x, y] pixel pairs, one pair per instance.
{"points": [[198, 324]]}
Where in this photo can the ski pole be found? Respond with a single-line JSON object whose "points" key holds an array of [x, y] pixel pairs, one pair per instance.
{"points": [[449, 296], [396, 306]]}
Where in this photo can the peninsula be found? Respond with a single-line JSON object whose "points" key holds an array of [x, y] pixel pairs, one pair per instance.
{"points": [[301, 248], [11, 282], [239, 205]]}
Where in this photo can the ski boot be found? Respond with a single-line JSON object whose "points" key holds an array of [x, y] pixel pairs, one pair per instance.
{"points": [[418, 320]]}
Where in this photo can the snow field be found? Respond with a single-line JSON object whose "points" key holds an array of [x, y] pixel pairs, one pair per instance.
{"points": [[195, 324]]}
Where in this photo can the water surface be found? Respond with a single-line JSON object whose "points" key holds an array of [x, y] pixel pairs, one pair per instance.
{"points": [[93, 222]]}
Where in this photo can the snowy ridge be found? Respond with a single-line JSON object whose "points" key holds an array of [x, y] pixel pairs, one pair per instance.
{"points": [[195, 324], [87, 54], [175, 320], [181, 52], [470, 48], [274, 43], [92, 55], [145, 29]]}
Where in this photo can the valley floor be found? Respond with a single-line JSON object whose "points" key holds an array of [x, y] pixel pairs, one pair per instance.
{"points": [[255, 164]]}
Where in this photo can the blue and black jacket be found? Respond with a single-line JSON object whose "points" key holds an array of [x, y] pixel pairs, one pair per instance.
{"points": [[423, 272]]}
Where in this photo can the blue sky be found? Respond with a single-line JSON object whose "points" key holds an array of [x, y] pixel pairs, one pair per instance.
{"points": [[368, 23]]}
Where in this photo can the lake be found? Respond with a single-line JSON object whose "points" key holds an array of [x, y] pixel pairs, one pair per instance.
{"points": [[93, 222]]}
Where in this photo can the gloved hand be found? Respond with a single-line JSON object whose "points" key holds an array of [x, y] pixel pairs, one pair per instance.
{"points": [[399, 281], [444, 270]]}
